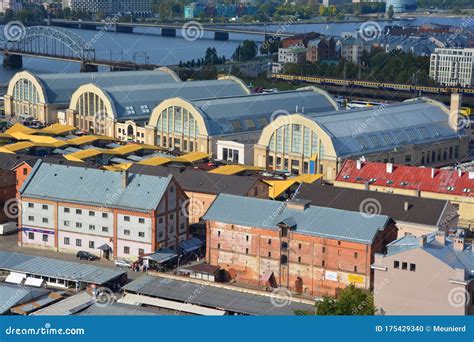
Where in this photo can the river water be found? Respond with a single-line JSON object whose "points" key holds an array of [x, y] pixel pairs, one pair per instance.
{"points": [[170, 50]]}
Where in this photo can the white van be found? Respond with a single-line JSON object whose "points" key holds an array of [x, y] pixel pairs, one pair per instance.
{"points": [[8, 228]]}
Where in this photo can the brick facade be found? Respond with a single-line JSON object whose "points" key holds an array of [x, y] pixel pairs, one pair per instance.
{"points": [[313, 266]]}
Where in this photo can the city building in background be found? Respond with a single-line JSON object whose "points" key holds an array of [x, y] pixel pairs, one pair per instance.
{"points": [[13, 5], [453, 67], [109, 6], [400, 6]]}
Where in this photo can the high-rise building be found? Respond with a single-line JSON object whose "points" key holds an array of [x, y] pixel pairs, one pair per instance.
{"points": [[108, 6], [453, 67], [14, 5]]}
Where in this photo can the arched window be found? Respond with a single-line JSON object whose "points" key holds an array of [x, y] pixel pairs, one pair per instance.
{"points": [[296, 139], [180, 126], [25, 98]]}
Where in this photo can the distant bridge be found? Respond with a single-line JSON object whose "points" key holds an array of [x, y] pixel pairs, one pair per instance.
{"points": [[168, 30], [57, 44]]}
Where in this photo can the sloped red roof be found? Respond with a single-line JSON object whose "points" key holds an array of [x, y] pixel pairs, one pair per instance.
{"points": [[408, 177]]}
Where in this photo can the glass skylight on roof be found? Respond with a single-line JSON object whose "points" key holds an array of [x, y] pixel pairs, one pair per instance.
{"points": [[236, 124], [362, 143], [145, 109], [249, 123], [130, 109], [388, 139]]}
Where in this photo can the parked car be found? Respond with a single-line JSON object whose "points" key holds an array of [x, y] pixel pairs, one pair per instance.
{"points": [[123, 263], [83, 255]]}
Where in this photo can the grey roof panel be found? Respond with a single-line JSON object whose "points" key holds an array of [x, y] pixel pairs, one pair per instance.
{"points": [[211, 296], [372, 129], [94, 187], [59, 87], [55, 268], [317, 221]]}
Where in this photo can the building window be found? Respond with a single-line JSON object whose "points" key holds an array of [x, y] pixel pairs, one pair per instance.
{"points": [[218, 246], [355, 268], [66, 241], [126, 250], [356, 255], [339, 243], [126, 218], [31, 205], [299, 246], [246, 251], [181, 226], [396, 264], [218, 233], [141, 220], [160, 235], [324, 249], [323, 263], [78, 211], [105, 229], [404, 265], [299, 259], [25, 171], [31, 218], [91, 213], [126, 232], [160, 220], [45, 207], [91, 244], [31, 236], [269, 241], [141, 251], [66, 210], [78, 225], [45, 220], [269, 254], [78, 242], [91, 227], [246, 238], [412, 267], [45, 237], [66, 223], [171, 216], [105, 215], [141, 234], [284, 260]]}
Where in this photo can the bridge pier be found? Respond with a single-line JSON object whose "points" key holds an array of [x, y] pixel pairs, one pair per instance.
{"points": [[168, 32], [221, 35], [125, 29], [12, 61], [86, 67], [88, 27]]}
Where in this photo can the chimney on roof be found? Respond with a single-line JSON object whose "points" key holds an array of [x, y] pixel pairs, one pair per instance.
{"points": [[440, 236], [455, 111], [433, 172], [359, 164], [389, 168], [422, 240], [124, 174], [406, 206], [458, 243], [299, 204]]}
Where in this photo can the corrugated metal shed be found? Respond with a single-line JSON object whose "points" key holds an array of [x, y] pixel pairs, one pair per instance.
{"points": [[59, 269], [211, 296], [317, 221]]}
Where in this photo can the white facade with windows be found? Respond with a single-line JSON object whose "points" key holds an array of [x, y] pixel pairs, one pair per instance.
{"points": [[453, 67]]}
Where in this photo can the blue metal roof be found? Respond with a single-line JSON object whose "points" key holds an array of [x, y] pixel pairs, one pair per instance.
{"points": [[142, 98], [456, 259], [56, 268], [317, 221], [12, 295], [59, 87], [94, 187], [225, 115], [367, 130]]}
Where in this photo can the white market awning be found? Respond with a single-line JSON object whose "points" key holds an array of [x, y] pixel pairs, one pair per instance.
{"points": [[15, 278]]}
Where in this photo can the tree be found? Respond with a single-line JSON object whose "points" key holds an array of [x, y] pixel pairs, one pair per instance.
{"points": [[352, 301], [390, 12], [246, 51], [270, 46]]}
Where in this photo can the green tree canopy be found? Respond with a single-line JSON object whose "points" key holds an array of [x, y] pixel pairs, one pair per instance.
{"points": [[246, 51]]}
